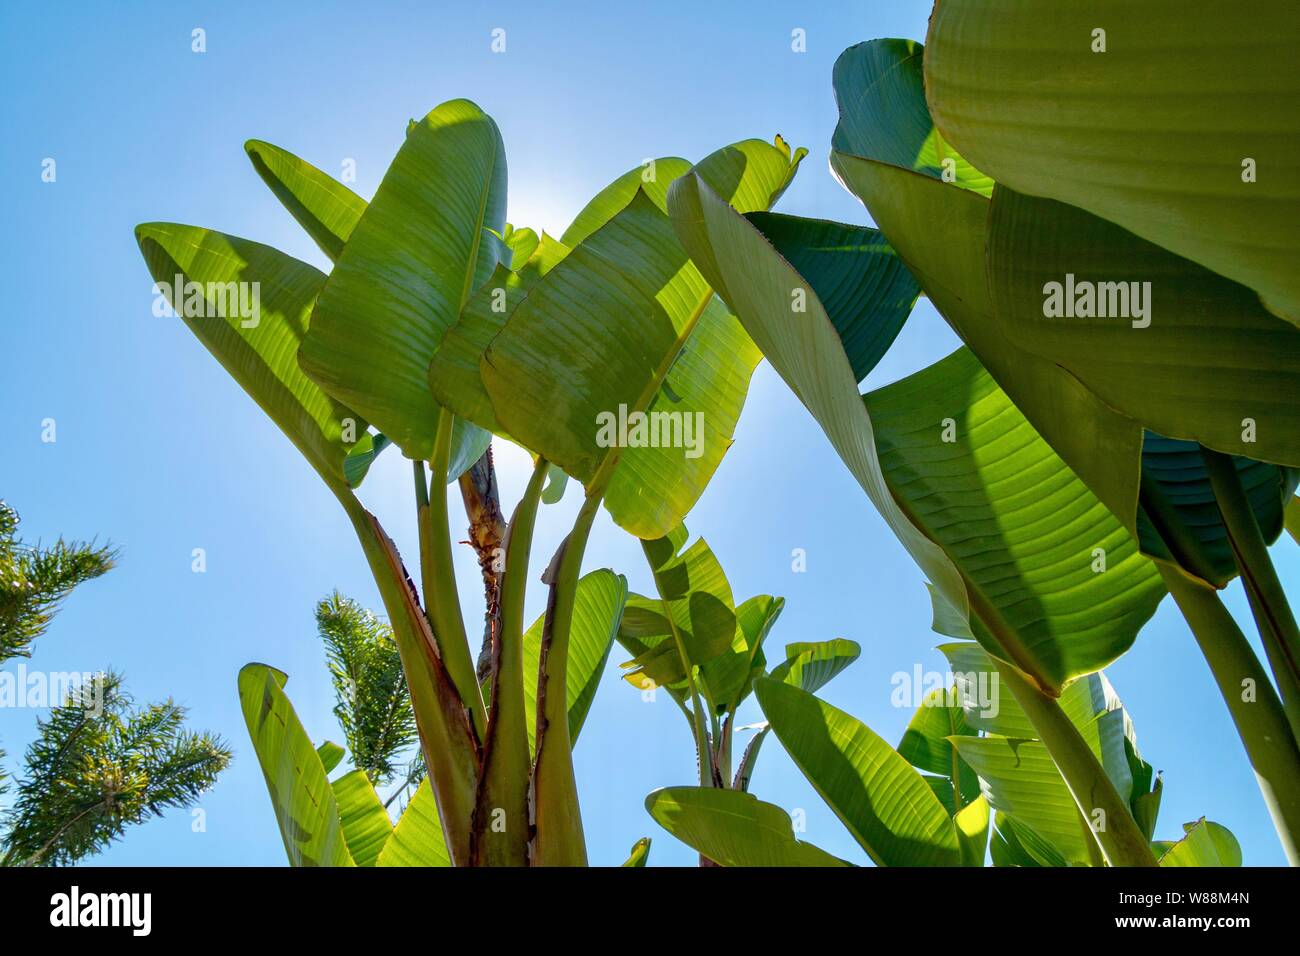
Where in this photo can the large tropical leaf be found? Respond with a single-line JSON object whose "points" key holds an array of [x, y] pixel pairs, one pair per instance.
{"points": [[878, 796], [625, 325], [304, 803], [811, 665], [1177, 468], [429, 238], [694, 615], [1018, 776], [803, 346], [323, 206], [1198, 361], [911, 209], [728, 678], [926, 744], [881, 78], [1030, 573], [1022, 781], [912, 204], [1022, 91], [866, 291], [259, 352], [652, 178], [1203, 844], [454, 372], [365, 822], [417, 839], [733, 828], [597, 609], [1028, 535]]}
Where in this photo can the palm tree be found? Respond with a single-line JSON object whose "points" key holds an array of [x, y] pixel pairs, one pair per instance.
{"points": [[98, 765]]}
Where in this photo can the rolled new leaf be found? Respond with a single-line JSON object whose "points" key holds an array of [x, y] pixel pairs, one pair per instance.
{"points": [[304, 803]]}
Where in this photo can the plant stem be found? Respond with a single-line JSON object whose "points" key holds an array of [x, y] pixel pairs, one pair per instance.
{"points": [[1260, 720], [1273, 617], [487, 531], [503, 785], [446, 733], [557, 819], [438, 577], [706, 763], [1120, 837]]}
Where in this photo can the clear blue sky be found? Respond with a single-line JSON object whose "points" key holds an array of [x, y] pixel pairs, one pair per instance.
{"points": [[160, 452]]}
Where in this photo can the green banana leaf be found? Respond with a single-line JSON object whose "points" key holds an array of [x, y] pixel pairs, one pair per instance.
{"points": [[1202, 360], [625, 325], [877, 795], [694, 605], [1025, 93], [1178, 469], [973, 823], [330, 755], [1013, 844], [1204, 844], [1026, 532], [304, 803], [640, 853], [733, 828], [329, 211], [926, 746], [259, 352], [454, 374], [804, 348], [882, 78], [867, 292], [417, 839], [429, 238], [522, 243], [912, 207], [365, 822], [652, 178], [323, 206], [597, 611], [728, 678], [363, 454], [1019, 778], [811, 665]]}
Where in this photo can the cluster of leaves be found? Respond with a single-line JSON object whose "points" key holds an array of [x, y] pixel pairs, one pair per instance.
{"points": [[372, 703], [441, 325], [33, 580], [99, 766], [1051, 478]]}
